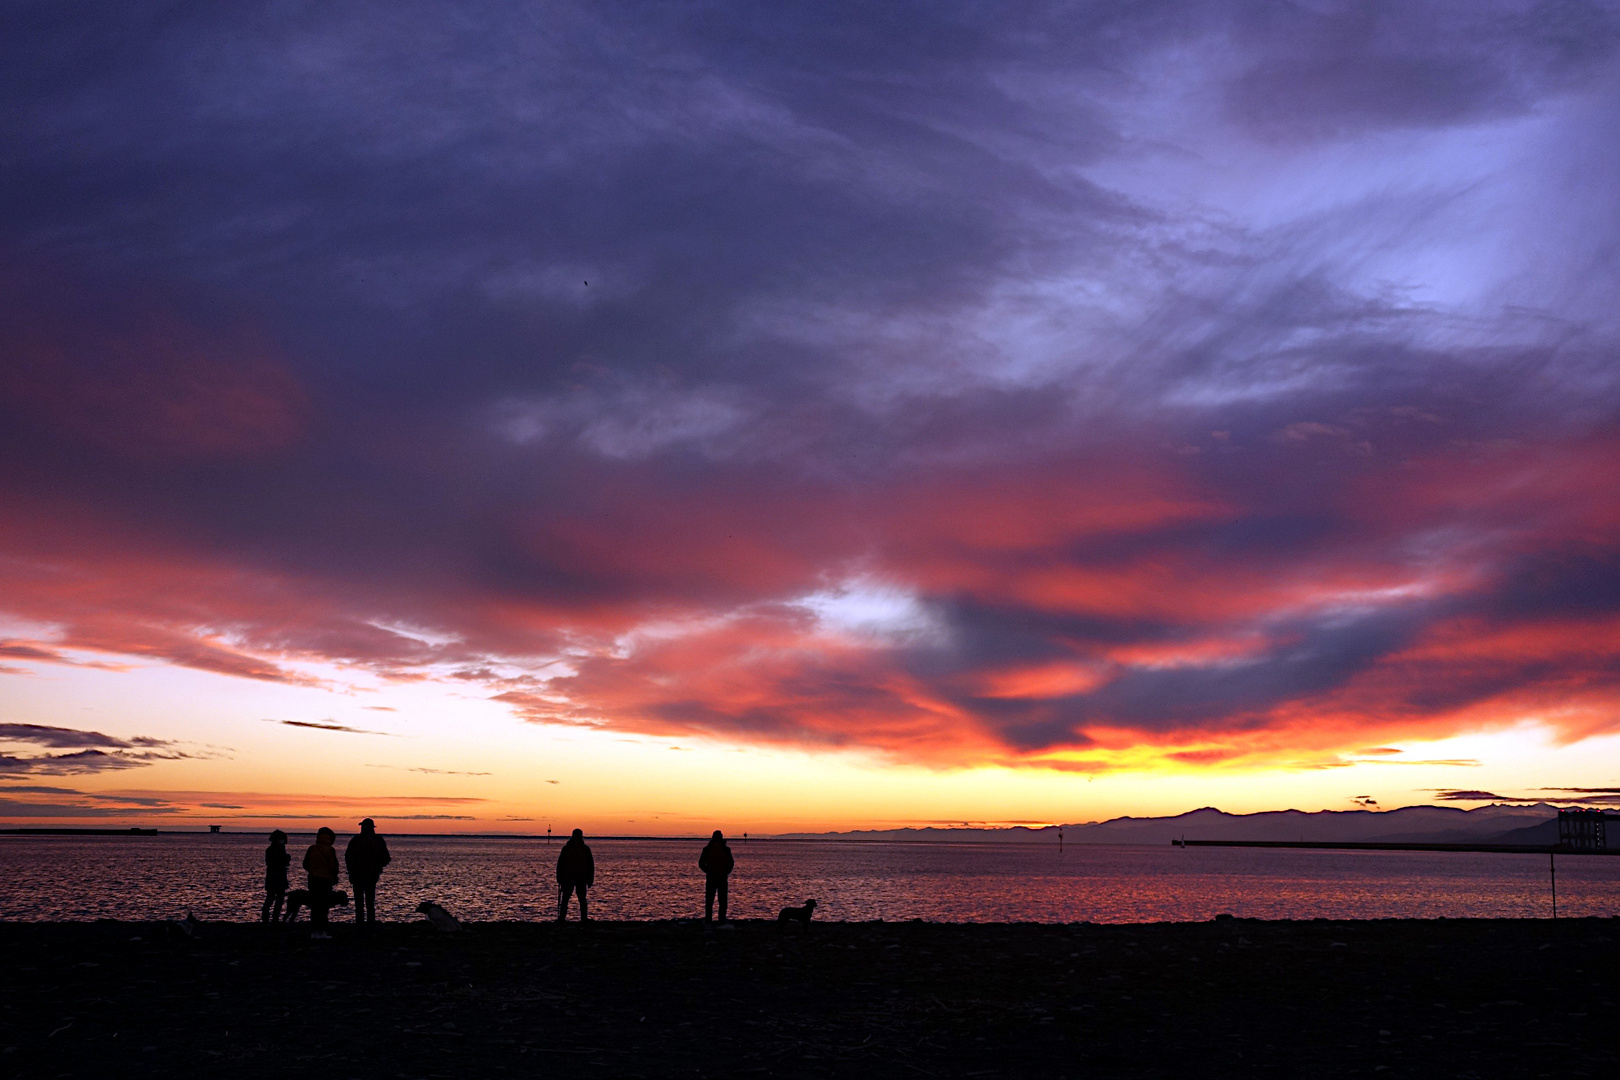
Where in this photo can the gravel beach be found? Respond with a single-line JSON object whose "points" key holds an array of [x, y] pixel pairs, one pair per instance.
{"points": [[1452, 998]]}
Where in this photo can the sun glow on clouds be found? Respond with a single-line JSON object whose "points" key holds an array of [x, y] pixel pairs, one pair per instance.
{"points": [[861, 609], [1117, 399]]}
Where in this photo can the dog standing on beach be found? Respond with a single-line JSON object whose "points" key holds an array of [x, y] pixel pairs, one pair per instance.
{"points": [[301, 898], [440, 918], [800, 915]]}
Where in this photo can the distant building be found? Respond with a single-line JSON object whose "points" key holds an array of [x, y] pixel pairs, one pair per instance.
{"points": [[1584, 830], [213, 828]]}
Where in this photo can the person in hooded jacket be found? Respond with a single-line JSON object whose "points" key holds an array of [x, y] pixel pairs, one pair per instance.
{"points": [[364, 859], [716, 863], [276, 861], [321, 863], [576, 872]]}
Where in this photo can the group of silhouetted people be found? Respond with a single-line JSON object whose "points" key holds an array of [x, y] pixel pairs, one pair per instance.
{"points": [[363, 858], [367, 854]]}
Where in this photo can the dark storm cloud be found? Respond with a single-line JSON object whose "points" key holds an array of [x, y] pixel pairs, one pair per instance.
{"points": [[960, 380]]}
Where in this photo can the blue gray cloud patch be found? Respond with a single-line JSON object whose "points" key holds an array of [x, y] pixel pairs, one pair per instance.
{"points": [[21, 801], [98, 752]]}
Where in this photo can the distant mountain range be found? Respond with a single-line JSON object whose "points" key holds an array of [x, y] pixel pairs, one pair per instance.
{"points": [[1496, 824]]}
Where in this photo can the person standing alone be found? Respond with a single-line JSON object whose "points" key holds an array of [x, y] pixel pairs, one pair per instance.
{"points": [[276, 861], [716, 863], [576, 872], [364, 859], [320, 862]]}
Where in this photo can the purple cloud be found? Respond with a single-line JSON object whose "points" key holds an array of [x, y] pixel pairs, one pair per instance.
{"points": [[975, 384]]}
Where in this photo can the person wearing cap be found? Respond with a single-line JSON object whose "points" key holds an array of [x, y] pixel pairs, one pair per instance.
{"points": [[276, 861], [364, 859], [716, 863]]}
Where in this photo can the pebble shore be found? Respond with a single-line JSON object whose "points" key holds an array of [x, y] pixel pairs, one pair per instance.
{"points": [[1397, 998]]}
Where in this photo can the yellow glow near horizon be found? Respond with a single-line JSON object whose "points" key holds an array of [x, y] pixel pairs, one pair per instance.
{"points": [[443, 761]]}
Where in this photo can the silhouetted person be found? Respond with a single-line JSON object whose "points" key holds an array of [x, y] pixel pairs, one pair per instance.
{"points": [[716, 863], [364, 859], [321, 863], [276, 861], [576, 872]]}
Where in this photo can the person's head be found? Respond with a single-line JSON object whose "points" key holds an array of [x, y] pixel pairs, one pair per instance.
{"points": [[579, 834], [718, 835], [278, 837], [323, 835], [368, 825]]}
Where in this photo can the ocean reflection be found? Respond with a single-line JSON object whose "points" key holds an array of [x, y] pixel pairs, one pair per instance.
{"points": [[220, 877]]}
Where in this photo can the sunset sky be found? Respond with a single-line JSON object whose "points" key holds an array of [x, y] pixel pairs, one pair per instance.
{"points": [[659, 417]]}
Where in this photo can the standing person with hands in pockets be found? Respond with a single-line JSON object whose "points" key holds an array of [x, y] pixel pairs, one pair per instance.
{"points": [[576, 872], [716, 863], [276, 861], [365, 858], [321, 863]]}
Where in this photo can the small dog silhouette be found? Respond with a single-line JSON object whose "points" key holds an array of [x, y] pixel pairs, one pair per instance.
{"points": [[440, 918], [301, 898], [190, 926], [800, 915]]}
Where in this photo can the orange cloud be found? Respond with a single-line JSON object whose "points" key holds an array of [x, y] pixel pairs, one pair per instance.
{"points": [[1098, 614]]}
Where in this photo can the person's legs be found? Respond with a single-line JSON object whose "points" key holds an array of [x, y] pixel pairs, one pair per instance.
{"points": [[709, 887], [320, 901], [562, 902], [722, 889], [584, 912], [365, 901]]}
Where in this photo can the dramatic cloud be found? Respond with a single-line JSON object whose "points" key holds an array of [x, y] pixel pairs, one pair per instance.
{"points": [[1063, 386], [101, 753]]}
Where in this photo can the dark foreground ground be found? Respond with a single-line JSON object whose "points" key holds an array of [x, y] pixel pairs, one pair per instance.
{"points": [[1228, 998]]}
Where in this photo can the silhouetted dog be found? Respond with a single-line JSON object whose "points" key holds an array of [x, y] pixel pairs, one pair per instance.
{"points": [[190, 926], [440, 918], [300, 898], [800, 915]]}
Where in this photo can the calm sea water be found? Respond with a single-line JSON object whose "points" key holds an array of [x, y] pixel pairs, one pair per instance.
{"points": [[220, 877]]}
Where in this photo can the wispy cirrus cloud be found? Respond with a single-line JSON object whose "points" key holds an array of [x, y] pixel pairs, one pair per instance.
{"points": [[327, 725], [431, 772], [32, 801]]}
